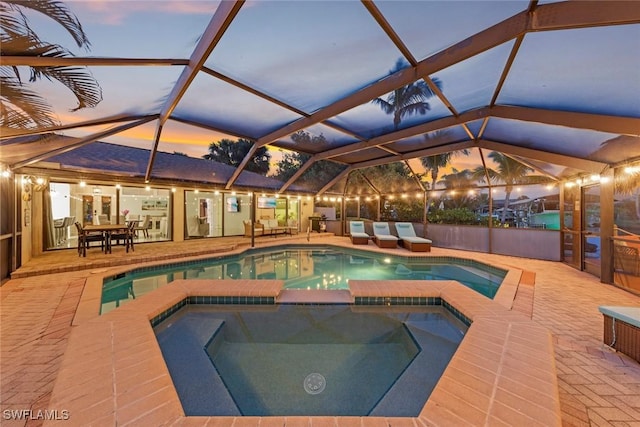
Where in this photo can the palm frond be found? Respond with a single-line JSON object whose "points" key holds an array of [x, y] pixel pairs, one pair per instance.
{"points": [[384, 105], [60, 13], [22, 108], [78, 80]]}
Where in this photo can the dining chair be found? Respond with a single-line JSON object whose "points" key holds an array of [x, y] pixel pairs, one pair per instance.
{"points": [[145, 227], [85, 238], [126, 236]]}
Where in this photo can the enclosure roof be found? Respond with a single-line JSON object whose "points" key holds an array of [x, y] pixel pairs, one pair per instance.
{"points": [[553, 84]]}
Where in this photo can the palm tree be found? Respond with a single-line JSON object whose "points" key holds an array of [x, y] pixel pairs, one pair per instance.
{"points": [[461, 182], [628, 183], [510, 172], [21, 107], [434, 163], [407, 100]]}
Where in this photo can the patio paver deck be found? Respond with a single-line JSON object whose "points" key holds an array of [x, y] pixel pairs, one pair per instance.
{"points": [[597, 386]]}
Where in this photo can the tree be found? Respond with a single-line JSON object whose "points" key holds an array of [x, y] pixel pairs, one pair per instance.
{"points": [[21, 107], [511, 172], [318, 173], [407, 100], [233, 152]]}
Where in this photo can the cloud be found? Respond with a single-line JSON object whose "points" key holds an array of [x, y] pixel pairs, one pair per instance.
{"points": [[112, 12]]}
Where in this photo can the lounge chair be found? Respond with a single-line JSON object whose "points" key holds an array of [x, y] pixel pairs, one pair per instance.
{"points": [[358, 235], [382, 236], [410, 241]]}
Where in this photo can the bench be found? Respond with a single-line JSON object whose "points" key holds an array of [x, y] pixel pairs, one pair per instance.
{"points": [[622, 329]]}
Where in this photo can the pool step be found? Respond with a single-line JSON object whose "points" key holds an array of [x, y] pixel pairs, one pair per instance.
{"points": [[305, 296]]}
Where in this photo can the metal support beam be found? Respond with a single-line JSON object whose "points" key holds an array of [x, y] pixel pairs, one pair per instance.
{"points": [[226, 11], [334, 180], [554, 158], [82, 141], [78, 61], [8, 133], [611, 124], [306, 165]]}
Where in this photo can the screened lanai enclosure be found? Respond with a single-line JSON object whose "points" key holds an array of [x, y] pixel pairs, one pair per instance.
{"points": [[495, 126]]}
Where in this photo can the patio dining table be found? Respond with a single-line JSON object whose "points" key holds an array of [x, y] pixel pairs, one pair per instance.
{"points": [[107, 230]]}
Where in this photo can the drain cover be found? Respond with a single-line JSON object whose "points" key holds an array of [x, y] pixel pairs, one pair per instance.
{"points": [[314, 383]]}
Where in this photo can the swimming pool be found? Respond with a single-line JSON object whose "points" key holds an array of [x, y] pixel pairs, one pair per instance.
{"points": [[304, 267], [282, 359]]}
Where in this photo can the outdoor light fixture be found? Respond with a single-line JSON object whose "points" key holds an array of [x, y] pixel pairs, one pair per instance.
{"points": [[82, 183]]}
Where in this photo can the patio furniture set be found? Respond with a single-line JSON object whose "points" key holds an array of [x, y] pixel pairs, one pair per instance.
{"points": [[106, 234], [269, 227]]}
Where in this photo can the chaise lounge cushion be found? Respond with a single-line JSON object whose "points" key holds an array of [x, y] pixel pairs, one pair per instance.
{"points": [[358, 235], [410, 241], [382, 236]]}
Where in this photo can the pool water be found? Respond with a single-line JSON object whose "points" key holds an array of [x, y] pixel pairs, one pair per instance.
{"points": [[305, 267], [338, 360]]}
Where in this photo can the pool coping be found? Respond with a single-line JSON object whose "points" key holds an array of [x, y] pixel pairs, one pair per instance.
{"points": [[503, 372], [89, 305]]}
